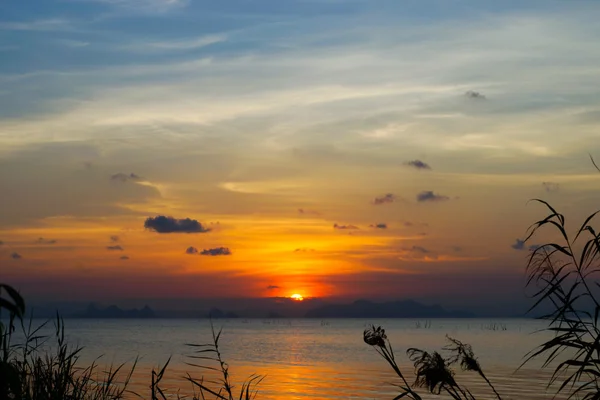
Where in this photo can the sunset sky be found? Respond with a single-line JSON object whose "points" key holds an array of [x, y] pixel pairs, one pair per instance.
{"points": [[339, 149]]}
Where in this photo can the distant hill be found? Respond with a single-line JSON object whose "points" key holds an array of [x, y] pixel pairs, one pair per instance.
{"points": [[115, 312], [392, 309]]}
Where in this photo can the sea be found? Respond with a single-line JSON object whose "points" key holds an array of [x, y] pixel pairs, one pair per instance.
{"points": [[312, 359]]}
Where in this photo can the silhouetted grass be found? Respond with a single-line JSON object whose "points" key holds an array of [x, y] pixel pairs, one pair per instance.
{"points": [[433, 371], [562, 272], [45, 367]]}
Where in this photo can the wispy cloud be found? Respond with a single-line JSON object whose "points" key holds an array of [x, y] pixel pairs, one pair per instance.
{"points": [[15, 256], [121, 177], [418, 249], [115, 248], [175, 44], [144, 7], [430, 196], [385, 199], [379, 226], [218, 251], [345, 227], [273, 287], [471, 94], [45, 241], [551, 186], [114, 238], [304, 250], [73, 43], [124, 258], [52, 24], [304, 211]]}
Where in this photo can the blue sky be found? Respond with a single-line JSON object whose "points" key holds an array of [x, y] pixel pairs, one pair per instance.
{"points": [[245, 112]]}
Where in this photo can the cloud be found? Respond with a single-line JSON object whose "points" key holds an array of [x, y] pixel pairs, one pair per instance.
{"points": [[457, 249], [551, 186], [304, 211], [428, 195], [114, 238], [164, 224], [145, 7], [218, 251], [419, 249], [1, 242], [336, 226], [408, 224], [518, 245], [471, 94], [16, 256], [176, 45], [114, 248], [379, 226], [124, 258], [191, 250], [273, 287], [73, 43], [387, 198], [418, 164], [304, 250], [42, 25], [121, 177], [45, 241]]}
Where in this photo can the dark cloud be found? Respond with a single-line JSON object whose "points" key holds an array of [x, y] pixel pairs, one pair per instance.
{"points": [[114, 248], [1, 242], [428, 195], [45, 241], [273, 287], [16, 256], [534, 247], [379, 226], [419, 249], [471, 94], [457, 249], [121, 177], [551, 186], [191, 250], [114, 238], [303, 250], [164, 224], [418, 164], [124, 257], [336, 226], [387, 198], [218, 251], [518, 245]]}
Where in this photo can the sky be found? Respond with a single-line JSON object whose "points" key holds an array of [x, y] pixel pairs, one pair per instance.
{"points": [[334, 149]]}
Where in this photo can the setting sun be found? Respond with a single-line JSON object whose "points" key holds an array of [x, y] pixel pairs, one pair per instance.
{"points": [[297, 297]]}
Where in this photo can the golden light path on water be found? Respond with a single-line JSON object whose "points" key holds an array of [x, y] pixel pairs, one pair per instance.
{"points": [[316, 359]]}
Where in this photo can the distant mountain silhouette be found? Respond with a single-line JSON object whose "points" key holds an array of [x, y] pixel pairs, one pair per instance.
{"points": [[216, 313], [392, 309], [115, 312]]}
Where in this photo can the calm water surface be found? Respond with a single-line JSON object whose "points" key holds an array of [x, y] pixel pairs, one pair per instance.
{"points": [[312, 358]]}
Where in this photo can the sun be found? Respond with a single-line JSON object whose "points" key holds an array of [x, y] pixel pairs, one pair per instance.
{"points": [[297, 297]]}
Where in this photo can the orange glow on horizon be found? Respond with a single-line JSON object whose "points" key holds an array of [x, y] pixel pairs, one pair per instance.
{"points": [[297, 297]]}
